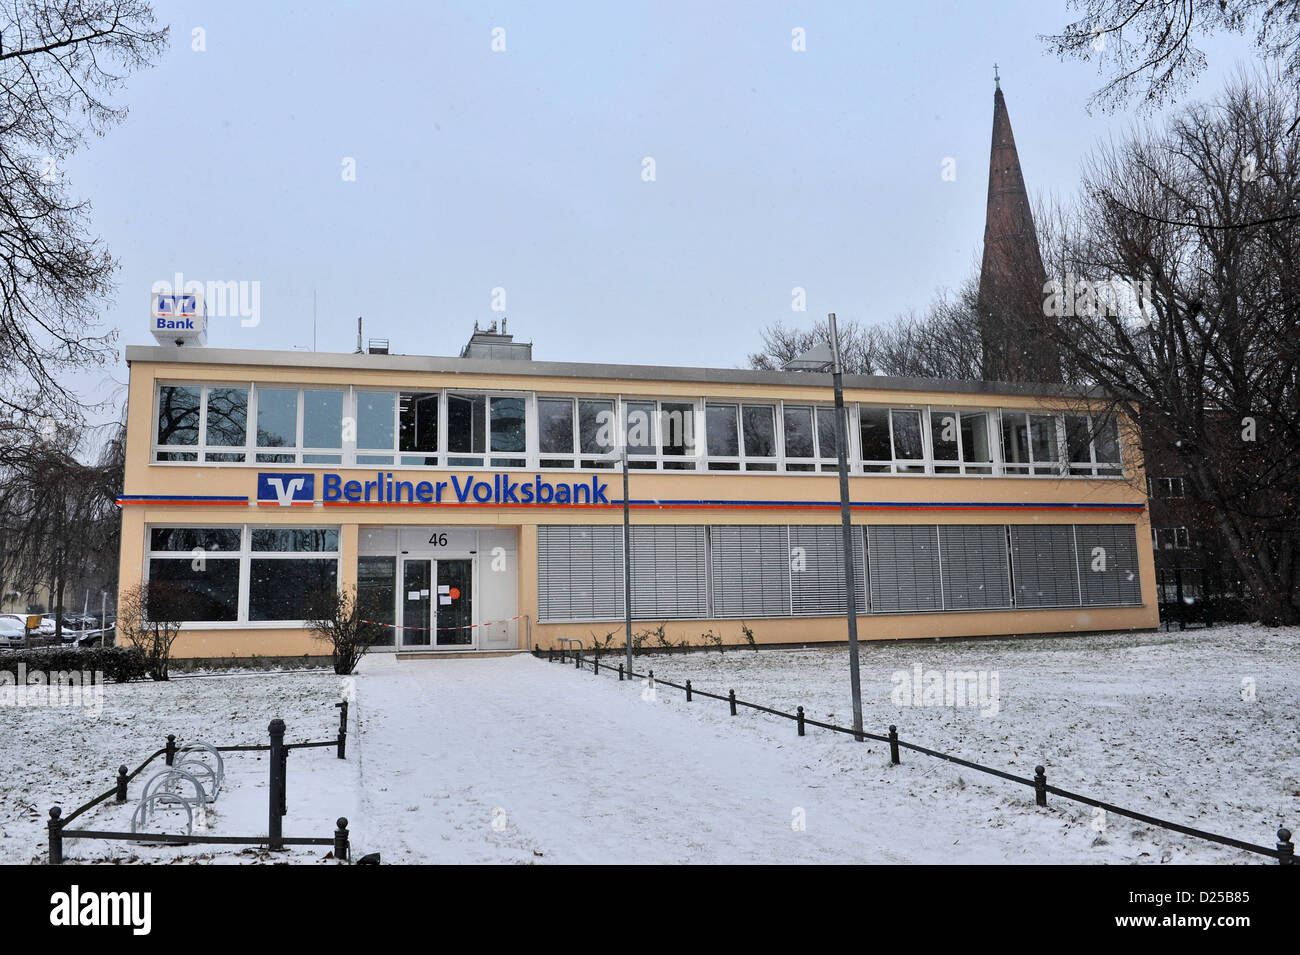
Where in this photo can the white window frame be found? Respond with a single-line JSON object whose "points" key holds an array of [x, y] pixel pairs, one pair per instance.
{"points": [[576, 456], [519, 460], [743, 461]]}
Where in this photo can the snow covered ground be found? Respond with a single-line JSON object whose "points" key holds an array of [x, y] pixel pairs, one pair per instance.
{"points": [[517, 760]]}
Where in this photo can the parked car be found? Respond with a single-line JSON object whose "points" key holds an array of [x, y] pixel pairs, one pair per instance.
{"points": [[47, 625], [11, 630]]}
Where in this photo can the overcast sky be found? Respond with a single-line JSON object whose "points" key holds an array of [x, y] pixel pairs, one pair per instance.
{"points": [[523, 169]]}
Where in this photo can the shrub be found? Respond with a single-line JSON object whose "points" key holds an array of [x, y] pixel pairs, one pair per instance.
{"points": [[119, 664], [748, 631], [149, 619], [339, 622]]}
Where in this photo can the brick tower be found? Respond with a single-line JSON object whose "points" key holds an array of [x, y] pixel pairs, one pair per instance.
{"points": [[1012, 322]]}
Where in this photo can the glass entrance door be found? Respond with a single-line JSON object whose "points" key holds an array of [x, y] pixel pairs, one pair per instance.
{"points": [[417, 603], [437, 599], [455, 603]]}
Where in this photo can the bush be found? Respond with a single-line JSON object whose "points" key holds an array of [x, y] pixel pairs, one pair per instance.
{"points": [[337, 620], [119, 664]]}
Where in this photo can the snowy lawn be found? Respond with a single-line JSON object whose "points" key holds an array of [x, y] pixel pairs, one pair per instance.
{"points": [[65, 755], [1195, 727], [517, 760]]}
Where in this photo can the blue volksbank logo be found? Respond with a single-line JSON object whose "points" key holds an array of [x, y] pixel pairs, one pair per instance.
{"points": [[287, 489]]}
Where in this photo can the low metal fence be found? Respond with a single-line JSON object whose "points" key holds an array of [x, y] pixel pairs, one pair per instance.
{"points": [[277, 801], [1284, 852]]}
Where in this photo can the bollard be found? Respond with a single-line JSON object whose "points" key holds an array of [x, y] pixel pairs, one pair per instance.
{"points": [[688, 691], [121, 784], [1285, 850], [170, 748], [56, 836], [341, 848], [577, 659], [731, 698], [564, 648], [550, 654], [893, 744], [595, 665], [620, 673], [343, 729], [1040, 786], [275, 796], [800, 713]]}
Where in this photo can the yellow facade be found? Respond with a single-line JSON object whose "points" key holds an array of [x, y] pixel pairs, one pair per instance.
{"points": [[183, 494]]}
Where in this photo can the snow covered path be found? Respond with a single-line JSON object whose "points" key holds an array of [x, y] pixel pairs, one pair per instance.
{"points": [[577, 768]]}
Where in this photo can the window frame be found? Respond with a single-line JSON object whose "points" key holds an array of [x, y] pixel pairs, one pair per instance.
{"points": [[243, 556]]}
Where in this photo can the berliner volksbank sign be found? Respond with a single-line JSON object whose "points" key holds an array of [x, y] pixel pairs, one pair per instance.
{"points": [[298, 488]]}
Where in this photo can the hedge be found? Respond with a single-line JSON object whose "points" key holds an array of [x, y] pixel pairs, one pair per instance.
{"points": [[119, 664]]}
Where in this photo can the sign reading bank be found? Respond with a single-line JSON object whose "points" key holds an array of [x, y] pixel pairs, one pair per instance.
{"points": [[288, 489]]}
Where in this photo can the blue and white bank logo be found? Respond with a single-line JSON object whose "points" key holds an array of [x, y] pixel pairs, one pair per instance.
{"points": [[286, 489]]}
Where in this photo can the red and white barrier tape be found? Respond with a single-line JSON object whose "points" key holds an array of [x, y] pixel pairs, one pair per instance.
{"points": [[472, 626]]}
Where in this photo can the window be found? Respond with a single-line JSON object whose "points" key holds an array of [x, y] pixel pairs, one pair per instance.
{"points": [[1043, 563], [594, 433], [1168, 487], [660, 434], [198, 567], [277, 424], [322, 427], [377, 594], [1030, 444], [1108, 572], [376, 427], [669, 572], [492, 424], [740, 437], [1171, 538], [810, 438], [1092, 444], [909, 447], [202, 423], [873, 434], [276, 573], [816, 563], [282, 583], [903, 562], [579, 572], [417, 428], [975, 570], [750, 570], [960, 442]]}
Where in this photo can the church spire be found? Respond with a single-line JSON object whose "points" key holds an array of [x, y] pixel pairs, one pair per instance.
{"points": [[1012, 277]]}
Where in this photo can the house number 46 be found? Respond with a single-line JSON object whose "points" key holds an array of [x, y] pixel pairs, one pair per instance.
{"points": [[438, 540]]}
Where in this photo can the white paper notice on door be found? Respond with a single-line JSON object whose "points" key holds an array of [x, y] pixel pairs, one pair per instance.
{"points": [[424, 592], [413, 595], [443, 599]]}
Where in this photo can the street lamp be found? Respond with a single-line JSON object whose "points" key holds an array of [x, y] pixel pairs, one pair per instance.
{"points": [[627, 562], [850, 583]]}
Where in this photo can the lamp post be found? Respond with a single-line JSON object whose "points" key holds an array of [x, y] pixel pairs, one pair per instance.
{"points": [[627, 565], [850, 583]]}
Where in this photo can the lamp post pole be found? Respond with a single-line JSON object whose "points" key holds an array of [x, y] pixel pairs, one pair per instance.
{"points": [[627, 566], [850, 581]]}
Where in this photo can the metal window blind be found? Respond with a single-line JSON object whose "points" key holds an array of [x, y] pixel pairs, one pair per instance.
{"points": [[669, 572], [1042, 557], [1118, 583], [751, 571], [975, 571], [818, 589], [579, 573], [904, 565]]}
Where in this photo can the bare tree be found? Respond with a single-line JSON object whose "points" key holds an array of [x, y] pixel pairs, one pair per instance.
{"points": [[342, 621], [149, 619], [943, 343], [59, 63], [1210, 364], [1148, 48], [859, 345]]}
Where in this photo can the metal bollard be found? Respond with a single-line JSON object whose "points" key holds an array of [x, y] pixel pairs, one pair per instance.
{"points": [[731, 698], [893, 744], [800, 713], [595, 665], [577, 659], [1285, 850], [170, 749], [620, 673], [341, 848], [275, 797], [1040, 786], [688, 691], [121, 784], [56, 836], [343, 729]]}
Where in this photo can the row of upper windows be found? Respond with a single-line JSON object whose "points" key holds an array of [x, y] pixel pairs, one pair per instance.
{"points": [[355, 427]]}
